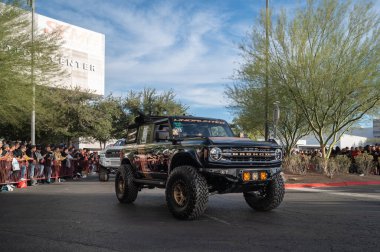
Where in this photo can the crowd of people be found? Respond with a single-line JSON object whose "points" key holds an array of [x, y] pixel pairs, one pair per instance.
{"points": [[352, 153], [45, 163]]}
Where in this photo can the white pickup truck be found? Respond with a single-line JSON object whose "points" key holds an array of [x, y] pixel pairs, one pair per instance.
{"points": [[109, 159]]}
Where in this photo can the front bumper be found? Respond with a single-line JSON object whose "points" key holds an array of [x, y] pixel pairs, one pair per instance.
{"points": [[110, 162], [236, 173], [231, 179]]}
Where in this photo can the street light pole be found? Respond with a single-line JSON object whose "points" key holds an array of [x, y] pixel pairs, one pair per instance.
{"points": [[33, 119], [276, 118], [266, 71]]}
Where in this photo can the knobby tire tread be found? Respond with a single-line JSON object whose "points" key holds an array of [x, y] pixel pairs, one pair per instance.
{"points": [[130, 189], [198, 189], [273, 198]]}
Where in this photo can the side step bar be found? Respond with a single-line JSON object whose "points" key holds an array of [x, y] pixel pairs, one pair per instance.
{"points": [[150, 182]]}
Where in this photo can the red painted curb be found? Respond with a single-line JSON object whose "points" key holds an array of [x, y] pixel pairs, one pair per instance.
{"points": [[348, 183]]}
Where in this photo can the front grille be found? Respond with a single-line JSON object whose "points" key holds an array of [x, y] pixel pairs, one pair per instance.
{"points": [[115, 163], [113, 154], [242, 154]]}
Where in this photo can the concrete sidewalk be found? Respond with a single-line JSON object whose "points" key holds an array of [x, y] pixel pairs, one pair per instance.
{"points": [[319, 180]]}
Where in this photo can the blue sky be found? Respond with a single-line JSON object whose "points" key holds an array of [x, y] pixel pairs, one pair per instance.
{"points": [[188, 46]]}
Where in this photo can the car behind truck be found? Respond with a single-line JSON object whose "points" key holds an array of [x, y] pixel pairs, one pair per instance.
{"points": [[109, 160], [193, 157]]}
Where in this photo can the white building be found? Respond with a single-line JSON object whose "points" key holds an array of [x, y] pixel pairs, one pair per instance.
{"points": [[84, 58], [376, 128], [83, 54], [354, 137]]}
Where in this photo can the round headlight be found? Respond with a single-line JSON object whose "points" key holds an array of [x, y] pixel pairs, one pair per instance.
{"points": [[216, 154], [278, 154]]}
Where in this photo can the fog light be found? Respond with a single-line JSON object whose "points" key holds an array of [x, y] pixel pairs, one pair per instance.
{"points": [[255, 176], [246, 176], [263, 176]]}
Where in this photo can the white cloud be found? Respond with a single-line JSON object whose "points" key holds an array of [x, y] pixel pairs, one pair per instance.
{"points": [[204, 97], [168, 45], [176, 55]]}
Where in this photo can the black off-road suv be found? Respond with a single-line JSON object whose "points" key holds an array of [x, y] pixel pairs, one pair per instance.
{"points": [[194, 157]]}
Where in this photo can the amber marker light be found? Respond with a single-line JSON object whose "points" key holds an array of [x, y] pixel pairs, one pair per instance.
{"points": [[246, 176], [263, 176]]}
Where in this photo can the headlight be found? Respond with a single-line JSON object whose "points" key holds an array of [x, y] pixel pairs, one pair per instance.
{"points": [[278, 154], [216, 154]]}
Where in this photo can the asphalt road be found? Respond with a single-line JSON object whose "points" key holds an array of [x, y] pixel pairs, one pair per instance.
{"points": [[86, 216]]}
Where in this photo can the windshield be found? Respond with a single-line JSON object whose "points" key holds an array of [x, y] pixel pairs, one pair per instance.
{"points": [[200, 128]]}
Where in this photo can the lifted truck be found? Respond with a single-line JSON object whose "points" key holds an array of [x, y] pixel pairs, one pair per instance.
{"points": [[192, 157], [109, 160]]}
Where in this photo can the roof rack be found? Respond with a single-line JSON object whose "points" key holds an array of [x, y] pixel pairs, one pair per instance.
{"points": [[142, 118]]}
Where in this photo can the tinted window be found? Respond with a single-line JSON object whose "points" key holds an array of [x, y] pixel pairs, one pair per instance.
{"points": [[192, 127], [120, 142], [218, 131], [145, 134], [132, 135], [161, 127]]}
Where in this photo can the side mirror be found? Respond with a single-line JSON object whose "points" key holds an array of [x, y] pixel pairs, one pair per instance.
{"points": [[162, 135]]}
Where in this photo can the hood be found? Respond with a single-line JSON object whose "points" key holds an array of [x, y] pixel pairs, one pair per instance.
{"points": [[237, 141]]}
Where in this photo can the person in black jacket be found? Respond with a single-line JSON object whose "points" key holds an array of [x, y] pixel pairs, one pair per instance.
{"points": [[78, 156], [32, 159], [48, 161], [17, 153]]}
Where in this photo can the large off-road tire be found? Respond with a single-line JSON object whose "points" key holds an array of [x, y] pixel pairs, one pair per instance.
{"points": [[186, 193], [125, 188], [103, 174], [270, 198]]}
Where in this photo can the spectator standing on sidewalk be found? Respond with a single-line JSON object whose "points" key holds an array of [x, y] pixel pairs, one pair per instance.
{"points": [[85, 162], [23, 162], [94, 162], [58, 163], [20, 156], [2, 168], [17, 152], [40, 162], [78, 156], [375, 152], [32, 159], [10, 157], [5, 150], [48, 161], [67, 159]]}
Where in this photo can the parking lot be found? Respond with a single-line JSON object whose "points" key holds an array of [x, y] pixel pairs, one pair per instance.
{"points": [[86, 216]]}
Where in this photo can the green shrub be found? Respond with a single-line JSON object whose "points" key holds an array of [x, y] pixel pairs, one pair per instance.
{"points": [[296, 164], [318, 164], [342, 164], [332, 168], [365, 163]]}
